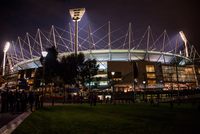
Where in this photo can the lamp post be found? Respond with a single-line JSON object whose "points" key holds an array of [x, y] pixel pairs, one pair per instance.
{"points": [[44, 54], [183, 37], [6, 47], [144, 83], [76, 15], [113, 87]]}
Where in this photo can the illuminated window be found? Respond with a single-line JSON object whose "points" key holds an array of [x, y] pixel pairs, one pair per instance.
{"points": [[150, 68], [189, 70], [198, 70], [102, 65], [151, 82], [151, 75], [30, 81], [33, 74], [19, 75], [103, 83]]}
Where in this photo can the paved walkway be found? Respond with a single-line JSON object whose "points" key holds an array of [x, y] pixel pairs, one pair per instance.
{"points": [[13, 124], [5, 118]]}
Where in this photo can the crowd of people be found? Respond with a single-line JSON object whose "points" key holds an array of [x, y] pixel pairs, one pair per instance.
{"points": [[20, 101]]}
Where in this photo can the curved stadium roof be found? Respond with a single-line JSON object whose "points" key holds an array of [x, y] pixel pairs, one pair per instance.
{"points": [[119, 44]]}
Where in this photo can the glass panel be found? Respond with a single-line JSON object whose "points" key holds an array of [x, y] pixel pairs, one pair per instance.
{"points": [[33, 74], [150, 68], [198, 70], [151, 75], [19, 76], [152, 82]]}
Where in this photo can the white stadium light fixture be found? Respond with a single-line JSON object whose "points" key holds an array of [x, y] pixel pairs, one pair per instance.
{"points": [[44, 53], [77, 13]]}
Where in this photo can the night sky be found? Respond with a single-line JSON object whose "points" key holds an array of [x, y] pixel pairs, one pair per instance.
{"points": [[21, 16]]}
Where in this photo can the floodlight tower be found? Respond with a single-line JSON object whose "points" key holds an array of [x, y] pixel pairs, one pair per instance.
{"points": [[76, 15], [6, 47], [185, 42]]}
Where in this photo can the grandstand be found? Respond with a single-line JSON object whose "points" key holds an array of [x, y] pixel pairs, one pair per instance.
{"points": [[160, 61]]}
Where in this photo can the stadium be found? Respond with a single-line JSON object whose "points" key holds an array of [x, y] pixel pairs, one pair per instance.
{"points": [[128, 61]]}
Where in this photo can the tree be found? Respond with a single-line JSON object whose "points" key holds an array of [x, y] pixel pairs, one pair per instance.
{"points": [[51, 65], [88, 70], [75, 69], [70, 67]]}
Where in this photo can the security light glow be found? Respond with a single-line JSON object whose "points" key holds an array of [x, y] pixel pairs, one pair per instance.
{"points": [[44, 53], [113, 73], [6, 47]]}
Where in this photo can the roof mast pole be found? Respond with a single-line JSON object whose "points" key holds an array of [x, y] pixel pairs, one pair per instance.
{"points": [[20, 45], [109, 40], [40, 40], [148, 37], [54, 37], [129, 42], [29, 44], [163, 47], [70, 35]]}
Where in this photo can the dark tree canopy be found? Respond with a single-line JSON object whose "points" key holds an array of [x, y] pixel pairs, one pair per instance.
{"points": [[76, 69], [89, 69], [72, 69], [51, 64]]}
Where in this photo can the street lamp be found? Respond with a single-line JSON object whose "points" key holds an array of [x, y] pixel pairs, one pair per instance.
{"points": [[183, 37], [6, 47], [113, 73], [76, 15], [144, 83], [113, 88], [145, 95], [44, 54]]}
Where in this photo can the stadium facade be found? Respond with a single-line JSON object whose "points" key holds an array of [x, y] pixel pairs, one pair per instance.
{"points": [[127, 61]]}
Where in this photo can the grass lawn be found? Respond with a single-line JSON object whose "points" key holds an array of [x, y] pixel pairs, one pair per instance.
{"points": [[112, 119]]}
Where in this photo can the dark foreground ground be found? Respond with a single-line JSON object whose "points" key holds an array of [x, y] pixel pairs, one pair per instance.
{"points": [[110, 119], [6, 118]]}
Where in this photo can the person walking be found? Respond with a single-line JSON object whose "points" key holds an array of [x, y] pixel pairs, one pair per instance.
{"points": [[23, 101], [31, 100]]}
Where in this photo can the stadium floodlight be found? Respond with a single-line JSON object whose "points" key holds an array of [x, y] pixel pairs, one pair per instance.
{"points": [[76, 15], [6, 47], [44, 53], [183, 37]]}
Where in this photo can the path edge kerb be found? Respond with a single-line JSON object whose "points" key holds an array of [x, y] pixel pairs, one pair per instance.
{"points": [[12, 125]]}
